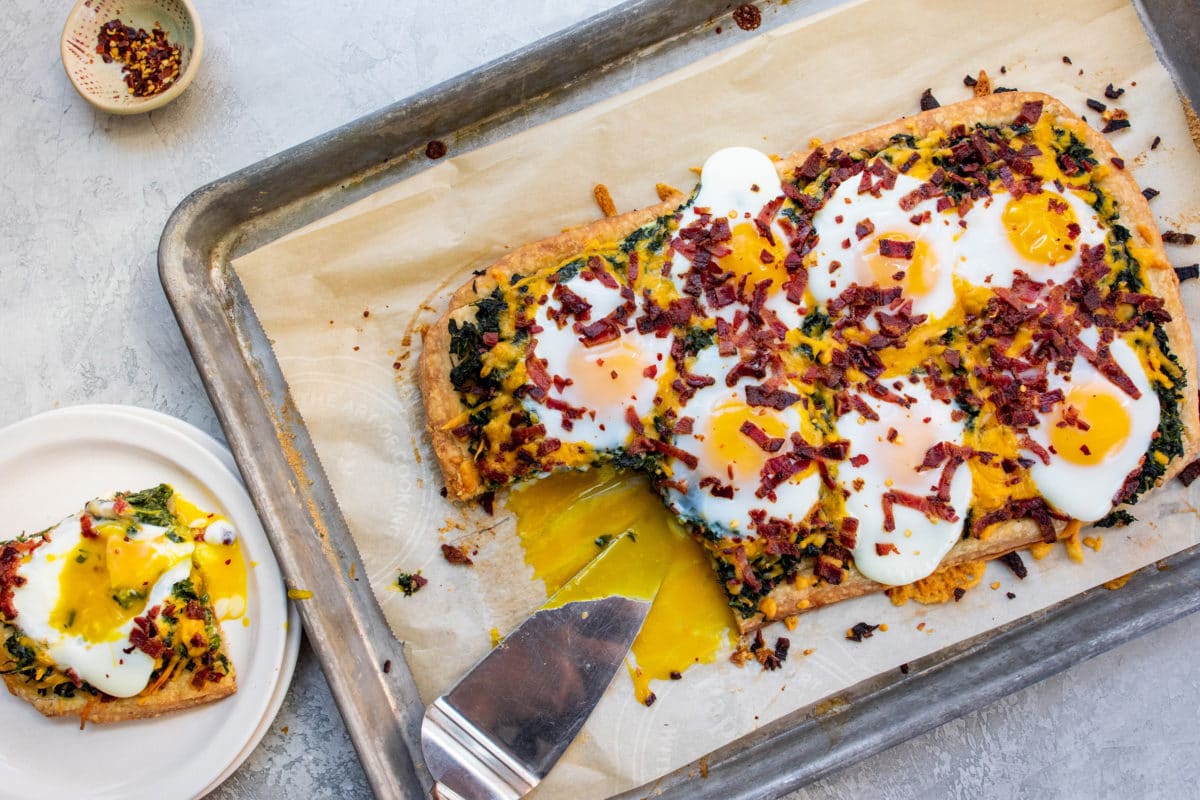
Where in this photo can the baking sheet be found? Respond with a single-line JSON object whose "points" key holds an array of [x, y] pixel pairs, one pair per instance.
{"points": [[337, 297]]}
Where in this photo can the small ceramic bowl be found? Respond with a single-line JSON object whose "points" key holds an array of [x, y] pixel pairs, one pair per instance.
{"points": [[103, 85]]}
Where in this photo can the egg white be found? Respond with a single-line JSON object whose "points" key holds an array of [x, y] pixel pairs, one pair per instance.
{"points": [[922, 543]]}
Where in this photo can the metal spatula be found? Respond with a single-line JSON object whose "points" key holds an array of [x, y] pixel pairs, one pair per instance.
{"points": [[499, 731]]}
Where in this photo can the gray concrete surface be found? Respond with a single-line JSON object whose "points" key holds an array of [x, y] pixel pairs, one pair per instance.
{"points": [[84, 196]]}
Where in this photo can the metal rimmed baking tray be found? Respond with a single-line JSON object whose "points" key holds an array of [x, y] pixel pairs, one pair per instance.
{"points": [[599, 58]]}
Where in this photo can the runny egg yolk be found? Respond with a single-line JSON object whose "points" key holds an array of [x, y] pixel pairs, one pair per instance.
{"points": [[89, 604], [564, 520], [755, 257], [1039, 227], [1106, 421], [727, 449], [222, 565], [916, 276], [609, 374]]}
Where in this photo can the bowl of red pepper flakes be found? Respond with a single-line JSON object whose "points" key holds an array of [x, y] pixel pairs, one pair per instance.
{"points": [[131, 56]]}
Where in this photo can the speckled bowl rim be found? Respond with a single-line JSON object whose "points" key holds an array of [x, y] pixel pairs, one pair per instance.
{"points": [[150, 103]]}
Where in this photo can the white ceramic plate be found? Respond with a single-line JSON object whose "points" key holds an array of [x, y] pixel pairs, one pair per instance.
{"points": [[292, 647], [51, 464]]}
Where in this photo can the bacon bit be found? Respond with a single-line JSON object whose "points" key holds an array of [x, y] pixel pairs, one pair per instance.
{"points": [[456, 555], [547, 446], [864, 229], [928, 101], [604, 199], [891, 248], [435, 149], [1177, 237], [886, 548], [1188, 273], [85, 528], [142, 641], [643, 444], [194, 610], [121, 506], [1119, 163], [633, 421], [859, 460], [910, 162], [1157, 141], [829, 570], [1111, 93], [1031, 112], [760, 437], [1189, 473], [813, 165], [1014, 562], [1033, 508], [777, 399], [1116, 125], [1029, 444], [861, 631], [716, 488]]}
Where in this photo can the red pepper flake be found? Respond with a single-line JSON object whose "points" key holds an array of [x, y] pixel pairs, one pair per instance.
{"points": [[747, 16], [150, 62], [435, 149], [456, 555]]}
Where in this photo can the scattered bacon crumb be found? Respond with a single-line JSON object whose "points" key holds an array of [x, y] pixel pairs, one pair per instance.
{"points": [[435, 149], [456, 555], [1189, 473]]}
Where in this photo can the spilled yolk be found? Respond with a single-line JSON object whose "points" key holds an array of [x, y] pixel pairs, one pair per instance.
{"points": [[224, 572], [609, 374], [916, 276], [1038, 227], [565, 519], [87, 603], [223, 566], [106, 579], [725, 444], [1108, 426], [748, 260]]}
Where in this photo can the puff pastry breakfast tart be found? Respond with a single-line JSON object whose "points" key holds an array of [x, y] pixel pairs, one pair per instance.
{"points": [[922, 345], [114, 613]]}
